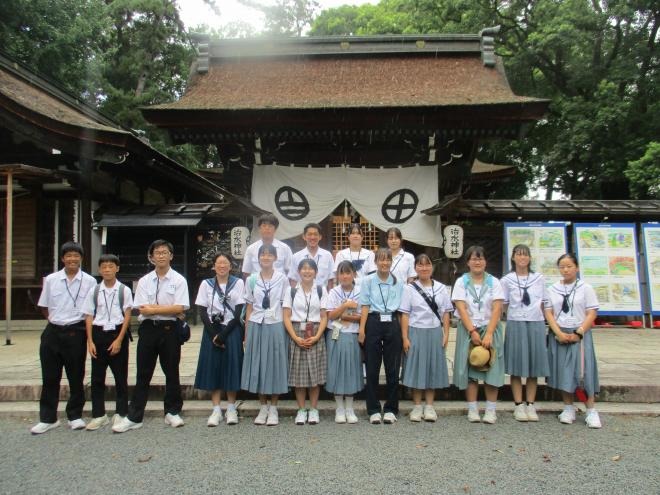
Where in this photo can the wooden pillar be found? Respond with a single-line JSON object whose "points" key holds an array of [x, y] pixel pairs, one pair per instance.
{"points": [[8, 255]]}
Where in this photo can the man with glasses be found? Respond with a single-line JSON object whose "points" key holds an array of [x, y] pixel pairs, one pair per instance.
{"points": [[160, 296]]}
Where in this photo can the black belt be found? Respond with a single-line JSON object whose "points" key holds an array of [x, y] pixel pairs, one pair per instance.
{"points": [[99, 327], [158, 323], [70, 326]]}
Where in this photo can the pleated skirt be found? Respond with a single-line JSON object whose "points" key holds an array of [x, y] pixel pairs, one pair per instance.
{"points": [[425, 364], [463, 372], [265, 361], [220, 369], [344, 375], [525, 350], [307, 367], [565, 364]]}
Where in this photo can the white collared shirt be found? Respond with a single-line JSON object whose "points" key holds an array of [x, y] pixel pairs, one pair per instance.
{"points": [[581, 297], [282, 263], [403, 266], [479, 316], [277, 285], [169, 290], [420, 313], [324, 263], [65, 300], [363, 255], [337, 297], [306, 307], [513, 293], [108, 318], [211, 298]]}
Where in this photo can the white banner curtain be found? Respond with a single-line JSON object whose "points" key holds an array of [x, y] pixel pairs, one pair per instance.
{"points": [[387, 197]]}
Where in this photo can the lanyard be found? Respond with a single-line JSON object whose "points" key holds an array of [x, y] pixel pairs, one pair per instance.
{"points": [[157, 287], [308, 301], [221, 297], [74, 299], [432, 294], [108, 309], [344, 297], [315, 258], [566, 304], [524, 295], [473, 292], [382, 297], [399, 258]]}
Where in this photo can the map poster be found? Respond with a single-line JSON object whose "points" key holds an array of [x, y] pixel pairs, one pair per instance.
{"points": [[607, 254], [651, 236], [546, 242]]}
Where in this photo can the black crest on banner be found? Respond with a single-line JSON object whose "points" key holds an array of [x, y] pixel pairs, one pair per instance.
{"points": [[291, 203], [400, 205]]}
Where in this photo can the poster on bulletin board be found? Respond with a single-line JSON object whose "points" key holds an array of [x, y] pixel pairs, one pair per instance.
{"points": [[651, 237], [607, 254], [546, 242]]}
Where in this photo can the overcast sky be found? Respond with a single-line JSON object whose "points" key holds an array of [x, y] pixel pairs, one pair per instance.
{"points": [[196, 12]]}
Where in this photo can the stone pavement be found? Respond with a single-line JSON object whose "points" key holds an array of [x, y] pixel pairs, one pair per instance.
{"points": [[628, 362]]}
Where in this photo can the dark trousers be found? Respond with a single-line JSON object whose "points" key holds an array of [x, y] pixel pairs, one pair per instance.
{"points": [[62, 347], [157, 340], [118, 365], [383, 343]]}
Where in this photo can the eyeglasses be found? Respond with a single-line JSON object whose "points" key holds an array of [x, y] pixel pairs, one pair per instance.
{"points": [[161, 253]]}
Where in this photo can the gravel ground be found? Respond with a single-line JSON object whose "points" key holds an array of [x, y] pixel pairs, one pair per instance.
{"points": [[450, 456]]}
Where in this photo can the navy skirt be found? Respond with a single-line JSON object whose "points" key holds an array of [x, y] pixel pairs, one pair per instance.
{"points": [[220, 369]]}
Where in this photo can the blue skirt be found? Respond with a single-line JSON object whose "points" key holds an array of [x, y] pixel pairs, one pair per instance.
{"points": [[220, 369], [344, 375], [425, 365], [525, 350], [266, 358], [463, 372], [565, 364]]}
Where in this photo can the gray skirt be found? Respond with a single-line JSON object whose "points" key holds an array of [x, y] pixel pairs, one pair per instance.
{"points": [[463, 372], [525, 350], [307, 367], [425, 365], [565, 364], [265, 359], [344, 364]]}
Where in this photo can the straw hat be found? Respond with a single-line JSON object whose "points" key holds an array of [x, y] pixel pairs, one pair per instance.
{"points": [[480, 358]]}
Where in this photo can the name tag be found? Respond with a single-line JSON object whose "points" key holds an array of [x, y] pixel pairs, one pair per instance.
{"points": [[270, 313], [570, 322], [386, 317], [108, 326]]}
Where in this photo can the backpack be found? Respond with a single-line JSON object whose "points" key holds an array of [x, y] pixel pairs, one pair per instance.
{"points": [[120, 291], [319, 291], [251, 283]]}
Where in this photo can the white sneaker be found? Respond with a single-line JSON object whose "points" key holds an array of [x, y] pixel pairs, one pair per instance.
{"points": [[116, 418], [231, 416], [567, 416], [389, 418], [351, 418], [473, 416], [340, 416], [40, 428], [174, 420], [490, 416], [593, 420], [273, 417], [262, 417], [97, 423], [531, 413], [313, 417], [416, 414], [520, 413], [301, 417], [430, 414], [375, 419], [125, 424], [214, 418], [77, 424]]}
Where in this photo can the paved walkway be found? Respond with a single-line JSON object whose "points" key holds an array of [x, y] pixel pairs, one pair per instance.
{"points": [[628, 362]]}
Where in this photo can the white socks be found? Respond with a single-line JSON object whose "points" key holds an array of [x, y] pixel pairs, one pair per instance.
{"points": [[472, 405], [349, 402], [217, 409], [339, 399], [231, 406], [490, 406]]}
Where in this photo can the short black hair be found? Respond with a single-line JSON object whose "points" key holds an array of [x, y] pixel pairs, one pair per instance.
{"points": [[569, 256], [310, 263], [267, 248], [71, 247], [158, 243], [109, 258], [268, 218], [476, 251], [312, 226]]}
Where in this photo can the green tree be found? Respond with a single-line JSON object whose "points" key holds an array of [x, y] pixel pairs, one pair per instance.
{"points": [[644, 174], [285, 17]]}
